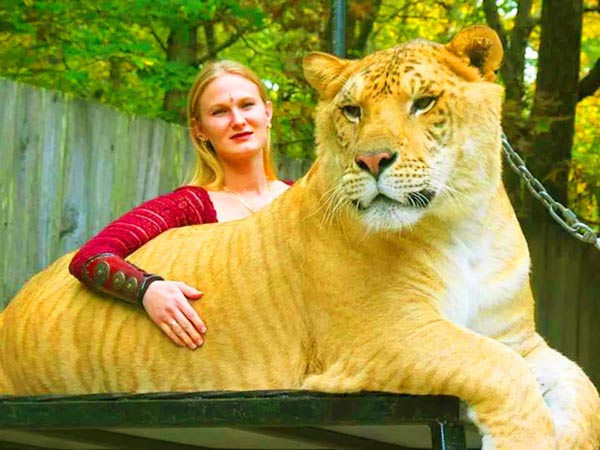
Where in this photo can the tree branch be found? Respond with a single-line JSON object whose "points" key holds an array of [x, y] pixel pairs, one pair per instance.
{"points": [[590, 83], [228, 43], [365, 28], [157, 38]]}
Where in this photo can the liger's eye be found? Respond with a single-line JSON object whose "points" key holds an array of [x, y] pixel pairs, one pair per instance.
{"points": [[352, 112], [422, 104]]}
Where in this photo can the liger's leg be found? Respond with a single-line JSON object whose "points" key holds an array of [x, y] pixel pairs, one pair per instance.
{"points": [[572, 398], [417, 352]]}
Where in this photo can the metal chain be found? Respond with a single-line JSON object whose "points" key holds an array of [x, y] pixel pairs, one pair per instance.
{"points": [[561, 214]]}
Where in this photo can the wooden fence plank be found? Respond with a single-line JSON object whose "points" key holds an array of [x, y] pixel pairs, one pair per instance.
{"points": [[8, 146], [553, 266]]}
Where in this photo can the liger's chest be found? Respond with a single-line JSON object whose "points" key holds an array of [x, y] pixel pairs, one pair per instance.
{"points": [[480, 281]]}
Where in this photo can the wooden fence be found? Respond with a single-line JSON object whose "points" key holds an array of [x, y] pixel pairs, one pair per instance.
{"points": [[68, 167], [566, 285]]}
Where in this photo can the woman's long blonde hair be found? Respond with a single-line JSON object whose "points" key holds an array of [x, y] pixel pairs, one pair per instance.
{"points": [[208, 172]]}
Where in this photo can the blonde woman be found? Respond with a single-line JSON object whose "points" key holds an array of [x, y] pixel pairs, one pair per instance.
{"points": [[229, 118]]}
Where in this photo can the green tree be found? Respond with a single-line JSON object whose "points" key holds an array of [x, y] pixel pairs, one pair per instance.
{"points": [[539, 118], [556, 94], [138, 55]]}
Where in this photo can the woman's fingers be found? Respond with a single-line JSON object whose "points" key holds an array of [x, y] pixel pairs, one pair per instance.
{"points": [[192, 315], [197, 326], [167, 304], [190, 292], [166, 328], [187, 332]]}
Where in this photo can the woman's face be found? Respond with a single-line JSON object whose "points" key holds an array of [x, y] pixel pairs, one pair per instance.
{"points": [[233, 117]]}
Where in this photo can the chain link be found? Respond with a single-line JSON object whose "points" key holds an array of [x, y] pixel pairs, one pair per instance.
{"points": [[561, 214]]}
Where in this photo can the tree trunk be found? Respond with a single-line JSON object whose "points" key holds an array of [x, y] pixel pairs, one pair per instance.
{"points": [[181, 47], [555, 99], [364, 15], [512, 72], [211, 41]]}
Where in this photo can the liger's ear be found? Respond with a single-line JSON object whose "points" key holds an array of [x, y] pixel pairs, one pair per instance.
{"points": [[321, 70], [481, 47]]}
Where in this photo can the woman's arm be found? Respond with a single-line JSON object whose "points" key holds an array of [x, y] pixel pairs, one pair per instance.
{"points": [[99, 259], [100, 263]]}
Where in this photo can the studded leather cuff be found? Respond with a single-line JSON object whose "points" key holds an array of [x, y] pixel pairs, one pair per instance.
{"points": [[115, 276]]}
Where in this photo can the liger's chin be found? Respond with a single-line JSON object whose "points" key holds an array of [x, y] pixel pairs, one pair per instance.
{"points": [[384, 214]]}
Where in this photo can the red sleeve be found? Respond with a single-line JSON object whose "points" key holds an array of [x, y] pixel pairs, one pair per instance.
{"points": [[187, 205]]}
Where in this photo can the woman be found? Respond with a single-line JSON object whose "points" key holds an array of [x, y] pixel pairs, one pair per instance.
{"points": [[229, 118]]}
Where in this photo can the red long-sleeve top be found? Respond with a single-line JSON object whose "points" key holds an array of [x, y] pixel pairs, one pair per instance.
{"points": [[187, 205]]}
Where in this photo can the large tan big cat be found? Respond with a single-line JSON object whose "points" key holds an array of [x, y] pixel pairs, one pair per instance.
{"points": [[396, 264]]}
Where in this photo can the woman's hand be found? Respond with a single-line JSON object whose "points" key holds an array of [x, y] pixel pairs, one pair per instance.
{"points": [[167, 304]]}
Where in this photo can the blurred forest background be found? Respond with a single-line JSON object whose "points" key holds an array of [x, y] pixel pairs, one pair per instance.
{"points": [[140, 56]]}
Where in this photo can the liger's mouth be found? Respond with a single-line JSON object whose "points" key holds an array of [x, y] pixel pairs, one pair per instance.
{"points": [[420, 199], [415, 200]]}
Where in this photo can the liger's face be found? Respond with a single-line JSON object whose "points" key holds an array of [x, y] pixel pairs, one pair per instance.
{"points": [[233, 117]]}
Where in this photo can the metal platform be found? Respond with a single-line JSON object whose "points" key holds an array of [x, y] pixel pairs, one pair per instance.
{"points": [[299, 420]]}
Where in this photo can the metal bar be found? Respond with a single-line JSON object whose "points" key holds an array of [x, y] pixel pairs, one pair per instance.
{"points": [[338, 27], [448, 436], [247, 409], [4, 445], [117, 440], [327, 438]]}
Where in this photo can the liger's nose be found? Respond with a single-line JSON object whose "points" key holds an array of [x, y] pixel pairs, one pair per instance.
{"points": [[375, 162]]}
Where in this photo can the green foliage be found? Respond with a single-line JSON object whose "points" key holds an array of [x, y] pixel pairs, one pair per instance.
{"points": [[430, 19], [584, 177], [113, 51]]}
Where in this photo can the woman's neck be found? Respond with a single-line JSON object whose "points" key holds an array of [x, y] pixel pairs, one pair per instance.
{"points": [[245, 178]]}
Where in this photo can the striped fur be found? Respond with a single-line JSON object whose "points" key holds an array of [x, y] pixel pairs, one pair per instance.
{"points": [[324, 290]]}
